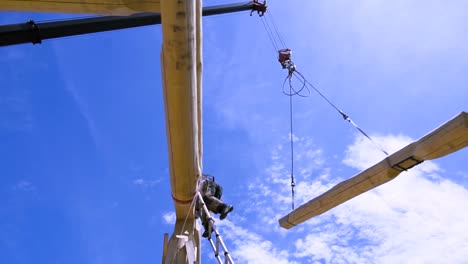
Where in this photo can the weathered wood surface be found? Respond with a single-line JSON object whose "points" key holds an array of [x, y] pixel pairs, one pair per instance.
{"points": [[104, 7], [448, 138]]}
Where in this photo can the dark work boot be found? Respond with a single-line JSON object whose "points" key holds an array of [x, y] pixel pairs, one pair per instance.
{"points": [[207, 232], [227, 209]]}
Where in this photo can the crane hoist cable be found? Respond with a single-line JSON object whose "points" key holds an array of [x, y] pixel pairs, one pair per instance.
{"points": [[284, 58], [345, 116]]}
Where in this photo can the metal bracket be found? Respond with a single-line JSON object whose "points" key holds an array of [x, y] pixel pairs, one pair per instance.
{"points": [[259, 7], [407, 164], [35, 32]]}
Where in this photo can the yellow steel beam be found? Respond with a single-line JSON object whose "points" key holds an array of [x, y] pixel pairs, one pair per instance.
{"points": [[448, 138], [104, 7]]}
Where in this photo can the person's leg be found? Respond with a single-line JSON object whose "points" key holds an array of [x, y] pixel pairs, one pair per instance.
{"points": [[205, 219], [225, 211], [214, 204], [217, 206], [206, 224]]}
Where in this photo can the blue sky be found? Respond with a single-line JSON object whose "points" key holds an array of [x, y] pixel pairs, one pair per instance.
{"points": [[85, 176]]}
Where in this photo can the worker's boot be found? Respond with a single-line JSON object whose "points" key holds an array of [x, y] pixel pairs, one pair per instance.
{"points": [[225, 211], [208, 231]]}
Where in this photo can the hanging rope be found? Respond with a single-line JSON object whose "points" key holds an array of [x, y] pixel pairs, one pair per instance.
{"points": [[284, 57], [345, 116], [270, 16], [291, 136], [269, 32], [292, 92], [192, 204], [285, 60]]}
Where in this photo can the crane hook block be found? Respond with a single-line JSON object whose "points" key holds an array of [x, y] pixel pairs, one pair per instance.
{"points": [[284, 55], [284, 58]]}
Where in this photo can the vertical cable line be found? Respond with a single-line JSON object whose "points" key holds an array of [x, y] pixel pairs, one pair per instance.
{"points": [[269, 33], [269, 36], [270, 16], [274, 36], [291, 135]]}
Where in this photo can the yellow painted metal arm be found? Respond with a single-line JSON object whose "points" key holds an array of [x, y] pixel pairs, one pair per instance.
{"points": [[104, 7], [448, 138]]}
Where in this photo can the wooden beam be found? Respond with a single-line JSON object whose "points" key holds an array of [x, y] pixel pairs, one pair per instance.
{"points": [[165, 241], [104, 7], [179, 56], [448, 138], [181, 66]]}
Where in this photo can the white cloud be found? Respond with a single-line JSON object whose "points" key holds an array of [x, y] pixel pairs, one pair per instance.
{"points": [[146, 183], [416, 218], [139, 181], [362, 153], [25, 186], [169, 218], [385, 33], [271, 191], [251, 241], [84, 109], [249, 247]]}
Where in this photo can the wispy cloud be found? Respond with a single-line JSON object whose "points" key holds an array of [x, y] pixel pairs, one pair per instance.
{"points": [[381, 32], [25, 186], [397, 222], [74, 90], [146, 183], [84, 109], [362, 153], [310, 173], [249, 247], [419, 210], [169, 218], [15, 109]]}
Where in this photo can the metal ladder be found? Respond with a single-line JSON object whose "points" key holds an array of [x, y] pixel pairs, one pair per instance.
{"points": [[219, 240]]}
